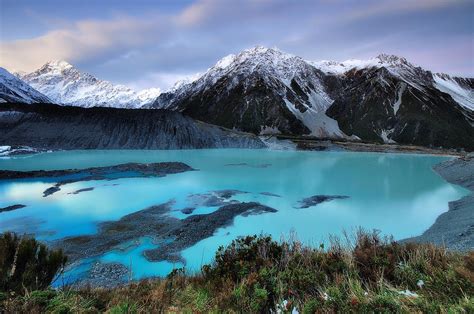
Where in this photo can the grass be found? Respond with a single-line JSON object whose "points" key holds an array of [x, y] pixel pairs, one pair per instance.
{"points": [[255, 274]]}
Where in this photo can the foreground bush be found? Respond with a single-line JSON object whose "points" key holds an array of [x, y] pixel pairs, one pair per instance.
{"points": [[256, 274], [26, 264]]}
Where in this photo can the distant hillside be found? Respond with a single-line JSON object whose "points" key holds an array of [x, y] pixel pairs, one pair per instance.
{"points": [[56, 127]]}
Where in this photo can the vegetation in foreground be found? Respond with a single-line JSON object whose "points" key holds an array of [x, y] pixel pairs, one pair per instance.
{"points": [[256, 274]]}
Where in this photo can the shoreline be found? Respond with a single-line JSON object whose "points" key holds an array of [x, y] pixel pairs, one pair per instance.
{"points": [[454, 229], [327, 144]]}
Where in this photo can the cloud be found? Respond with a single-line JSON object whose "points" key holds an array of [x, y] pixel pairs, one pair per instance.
{"points": [[164, 80], [153, 47], [381, 8], [79, 41]]}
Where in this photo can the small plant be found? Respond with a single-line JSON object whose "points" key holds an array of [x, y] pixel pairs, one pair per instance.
{"points": [[124, 308]]}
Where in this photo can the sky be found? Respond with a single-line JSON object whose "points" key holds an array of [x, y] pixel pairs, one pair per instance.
{"points": [[153, 43]]}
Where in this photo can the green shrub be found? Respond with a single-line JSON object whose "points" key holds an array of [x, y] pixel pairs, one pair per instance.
{"points": [[40, 297], [311, 306], [26, 264], [242, 257], [375, 257], [385, 303], [124, 308]]}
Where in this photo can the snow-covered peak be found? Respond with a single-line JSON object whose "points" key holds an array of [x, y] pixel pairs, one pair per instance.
{"points": [[392, 60], [269, 62], [382, 60], [260, 54], [226, 61], [13, 89], [60, 65], [65, 84], [147, 94], [395, 65]]}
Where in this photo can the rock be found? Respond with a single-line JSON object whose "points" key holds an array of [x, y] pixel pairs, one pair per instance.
{"points": [[11, 208], [318, 199], [188, 210], [51, 190], [82, 190], [270, 194], [172, 234], [105, 275]]}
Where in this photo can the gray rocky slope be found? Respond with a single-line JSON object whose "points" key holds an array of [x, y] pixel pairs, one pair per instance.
{"points": [[13, 89], [454, 228], [55, 127]]}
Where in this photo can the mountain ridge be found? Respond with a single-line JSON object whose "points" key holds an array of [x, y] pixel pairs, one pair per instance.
{"points": [[65, 84], [264, 90]]}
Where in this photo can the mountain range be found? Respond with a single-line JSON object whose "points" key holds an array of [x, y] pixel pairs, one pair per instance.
{"points": [[64, 84], [266, 91]]}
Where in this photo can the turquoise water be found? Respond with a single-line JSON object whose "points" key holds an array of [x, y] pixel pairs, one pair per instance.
{"points": [[395, 193]]}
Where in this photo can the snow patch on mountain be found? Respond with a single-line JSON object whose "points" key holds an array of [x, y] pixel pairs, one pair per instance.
{"points": [[64, 84], [382, 60], [13, 89], [397, 104], [463, 95]]}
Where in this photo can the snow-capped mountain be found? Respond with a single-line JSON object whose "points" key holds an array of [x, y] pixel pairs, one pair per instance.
{"points": [[64, 84], [13, 89], [385, 99], [260, 90]]}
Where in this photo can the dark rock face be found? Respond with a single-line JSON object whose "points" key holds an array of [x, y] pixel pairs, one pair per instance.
{"points": [[318, 199], [376, 103], [248, 106], [57, 127], [171, 233], [67, 176], [261, 88], [11, 208]]}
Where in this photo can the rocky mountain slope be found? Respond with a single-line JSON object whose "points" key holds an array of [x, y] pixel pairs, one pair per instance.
{"points": [[393, 101], [259, 90], [384, 99], [64, 84], [13, 89], [56, 127]]}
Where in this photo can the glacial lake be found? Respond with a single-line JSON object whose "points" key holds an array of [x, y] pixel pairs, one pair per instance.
{"points": [[398, 194]]}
